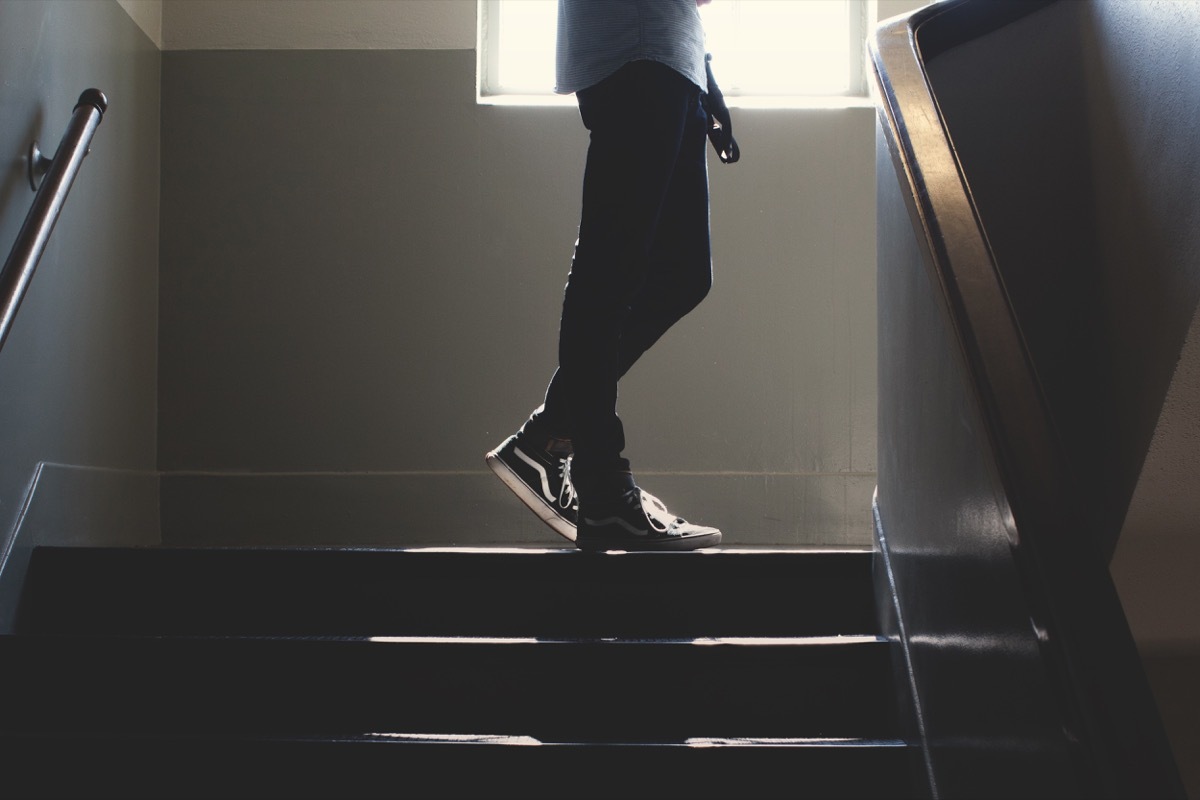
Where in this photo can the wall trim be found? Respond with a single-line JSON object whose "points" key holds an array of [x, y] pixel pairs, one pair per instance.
{"points": [[73, 505]]}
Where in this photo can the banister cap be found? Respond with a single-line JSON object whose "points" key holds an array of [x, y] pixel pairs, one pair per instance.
{"points": [[94, 98]]}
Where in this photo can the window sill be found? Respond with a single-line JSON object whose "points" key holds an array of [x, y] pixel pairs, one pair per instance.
{"points": [[783, 102]]}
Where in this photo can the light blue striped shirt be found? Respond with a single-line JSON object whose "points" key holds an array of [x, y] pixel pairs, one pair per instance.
{"points": [[598, 37]]}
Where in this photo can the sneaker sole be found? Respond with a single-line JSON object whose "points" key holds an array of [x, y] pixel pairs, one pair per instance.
{"points": [[636, 545], [535, 502]]}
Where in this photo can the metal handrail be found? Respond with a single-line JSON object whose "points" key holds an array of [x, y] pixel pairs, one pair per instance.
{"points": [[47, 204]]}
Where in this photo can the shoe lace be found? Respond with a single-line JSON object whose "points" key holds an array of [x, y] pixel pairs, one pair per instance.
{"points": [[639, 499], [566, 491]]}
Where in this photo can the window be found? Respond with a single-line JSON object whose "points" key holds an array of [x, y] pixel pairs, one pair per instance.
{"points": [[762, 49]]}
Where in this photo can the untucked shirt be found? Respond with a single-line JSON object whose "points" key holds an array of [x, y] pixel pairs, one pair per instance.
{"points": [[598, 37]]}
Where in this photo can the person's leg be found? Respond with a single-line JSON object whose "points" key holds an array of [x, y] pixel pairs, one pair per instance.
{"points": [[641, 263], [680, 272], [638, 119], [652, 266]]}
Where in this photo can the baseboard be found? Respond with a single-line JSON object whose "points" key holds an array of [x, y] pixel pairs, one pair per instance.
{"points": [[71, 506]]}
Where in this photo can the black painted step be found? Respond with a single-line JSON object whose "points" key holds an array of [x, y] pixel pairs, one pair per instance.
{"points": [[647, 691], [282, 591], [400, 766], [163, 672]]}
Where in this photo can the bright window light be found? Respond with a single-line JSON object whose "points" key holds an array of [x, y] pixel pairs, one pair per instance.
{"points": [[761, 48], [518, 39]]}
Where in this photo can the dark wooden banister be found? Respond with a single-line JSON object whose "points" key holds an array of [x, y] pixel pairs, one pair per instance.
{"points": [[47, 205], [1091, 660]]}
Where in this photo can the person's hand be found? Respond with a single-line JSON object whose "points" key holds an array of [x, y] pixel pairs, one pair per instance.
{"points": [[720, 126], [702, 3]]}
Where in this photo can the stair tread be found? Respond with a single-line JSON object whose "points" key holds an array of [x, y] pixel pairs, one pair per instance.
{"points": [[158, 766], [592, 689], [498, 740], [160, 671], [482, 592]]}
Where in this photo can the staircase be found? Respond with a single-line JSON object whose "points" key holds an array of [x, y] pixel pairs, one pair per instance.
{"points": [[438, 673]]}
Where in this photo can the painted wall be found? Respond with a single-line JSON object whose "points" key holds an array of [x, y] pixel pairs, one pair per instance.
{"points": [[395, 307], [1147, 211], [77, 373], [362, 272], [1159, 514], [1159, 552], [318, 24]]}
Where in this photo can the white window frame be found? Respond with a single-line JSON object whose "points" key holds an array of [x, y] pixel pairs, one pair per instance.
{"points": [[863, 16]]}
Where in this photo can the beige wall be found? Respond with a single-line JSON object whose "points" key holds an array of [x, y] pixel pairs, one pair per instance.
{"points": [[318, 24], [1158, 556], [396, 311], [450, 227]]}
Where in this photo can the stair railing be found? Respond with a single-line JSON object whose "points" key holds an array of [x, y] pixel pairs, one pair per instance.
{"points": [[55, 183], [1022, 675]]}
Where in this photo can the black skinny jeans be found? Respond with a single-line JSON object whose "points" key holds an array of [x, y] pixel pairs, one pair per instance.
{"points": [[642, 260]]}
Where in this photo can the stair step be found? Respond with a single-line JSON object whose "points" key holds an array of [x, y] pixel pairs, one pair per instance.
{"points": [[304, 672], [554, 593], [397, 765], [577, 690]]}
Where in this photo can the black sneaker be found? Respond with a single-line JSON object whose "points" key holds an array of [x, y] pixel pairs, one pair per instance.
{"points": [[538, 470], [639, 521]]}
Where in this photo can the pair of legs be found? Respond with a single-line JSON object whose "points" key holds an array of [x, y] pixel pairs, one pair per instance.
{"points": [[642, 260]]}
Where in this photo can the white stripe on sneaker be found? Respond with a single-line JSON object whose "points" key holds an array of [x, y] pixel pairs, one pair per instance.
{"points": [[541, 471], [529, 496]]}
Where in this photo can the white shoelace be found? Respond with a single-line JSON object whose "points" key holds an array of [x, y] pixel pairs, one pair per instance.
{"points": [[641, 499], [566, 493]]}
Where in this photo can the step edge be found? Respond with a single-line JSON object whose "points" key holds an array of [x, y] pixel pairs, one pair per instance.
{"points": [[493, 740], [764, 552], [843, 640]]}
